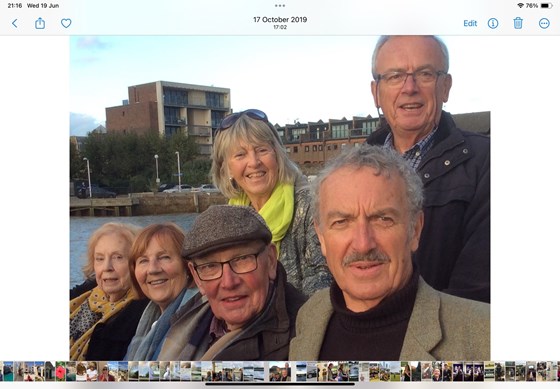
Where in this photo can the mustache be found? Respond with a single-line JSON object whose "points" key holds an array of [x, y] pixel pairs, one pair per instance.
{"points": [[373, 255]]}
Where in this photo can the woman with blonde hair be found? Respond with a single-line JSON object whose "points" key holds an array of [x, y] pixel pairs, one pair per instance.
{"points": [[103, 320], [250, 166]]}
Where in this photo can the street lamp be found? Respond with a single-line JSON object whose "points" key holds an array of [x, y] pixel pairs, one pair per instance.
{"points": [[88, 176], [157, 170], [178, 169]]}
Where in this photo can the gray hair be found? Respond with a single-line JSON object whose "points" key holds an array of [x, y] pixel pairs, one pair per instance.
{"points": [[253, 132], [384, 38], [385, 161]]}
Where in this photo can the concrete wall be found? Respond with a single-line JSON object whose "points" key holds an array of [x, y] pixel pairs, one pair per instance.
{"points": [[177, 203]]}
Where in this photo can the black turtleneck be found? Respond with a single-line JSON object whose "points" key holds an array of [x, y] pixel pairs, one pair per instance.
{"points": [[374, 335]]}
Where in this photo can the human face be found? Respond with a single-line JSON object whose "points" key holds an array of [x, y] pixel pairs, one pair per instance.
{"points": [[412, 110], [361, 213], [237, 298], [255, 169], [161, 273], [110, 263]]}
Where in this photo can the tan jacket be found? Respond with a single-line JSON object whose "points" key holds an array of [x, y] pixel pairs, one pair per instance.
{"points": [[441, 327]]}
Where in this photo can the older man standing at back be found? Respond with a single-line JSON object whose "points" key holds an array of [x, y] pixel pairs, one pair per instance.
{"points": [[368, 217], [410, 84]]}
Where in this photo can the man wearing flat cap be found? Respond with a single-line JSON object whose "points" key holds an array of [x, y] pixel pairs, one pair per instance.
{"points": [[245, 309]]}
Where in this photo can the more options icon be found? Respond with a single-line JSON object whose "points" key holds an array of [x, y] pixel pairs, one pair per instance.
{"points": [[544, 23]]}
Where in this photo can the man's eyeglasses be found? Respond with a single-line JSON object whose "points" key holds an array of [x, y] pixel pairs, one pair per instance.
{"points": [[422, 77], [239, 265], [230, 120]]}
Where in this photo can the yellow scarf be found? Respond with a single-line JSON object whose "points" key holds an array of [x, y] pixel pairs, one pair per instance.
{"points": [[277, 212], [97, 302]]}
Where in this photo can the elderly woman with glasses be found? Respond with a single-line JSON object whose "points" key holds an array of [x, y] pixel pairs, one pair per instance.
{"points": [[251, 167]]}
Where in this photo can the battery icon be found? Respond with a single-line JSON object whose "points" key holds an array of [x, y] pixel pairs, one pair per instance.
{"points": [[546, 5]]}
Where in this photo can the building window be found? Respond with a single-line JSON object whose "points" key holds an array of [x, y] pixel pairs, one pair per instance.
{"points": [[306, 149], [329, 147], [343, 146], [214, 100], [288, 150], [335, 147], [314, 147], [295, 149], [320, 147]]}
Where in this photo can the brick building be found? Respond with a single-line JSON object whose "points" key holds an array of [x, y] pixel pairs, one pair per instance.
{"points": [[168, 108]]}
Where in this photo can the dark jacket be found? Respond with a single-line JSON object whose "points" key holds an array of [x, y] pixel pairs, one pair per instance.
{"points": [[266, 338], [454, 251], [110, 340]]}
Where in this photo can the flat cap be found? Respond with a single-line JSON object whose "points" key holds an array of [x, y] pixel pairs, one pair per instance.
{"points": [[222, 226]]}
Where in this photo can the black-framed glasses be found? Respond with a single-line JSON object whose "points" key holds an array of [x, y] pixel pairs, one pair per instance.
{"points": [[230, 120], [241, 264], [423, 77]]}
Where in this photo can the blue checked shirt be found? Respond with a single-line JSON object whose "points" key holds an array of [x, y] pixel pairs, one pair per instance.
{"points": [[415, 154]]}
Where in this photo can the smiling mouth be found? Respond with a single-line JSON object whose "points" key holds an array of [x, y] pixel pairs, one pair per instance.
{"points": [[233, 299], [256, 175], [156, 282], [411, 107]]}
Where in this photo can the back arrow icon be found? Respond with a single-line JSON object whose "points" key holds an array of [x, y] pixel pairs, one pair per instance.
{"points": [[14, 23]]}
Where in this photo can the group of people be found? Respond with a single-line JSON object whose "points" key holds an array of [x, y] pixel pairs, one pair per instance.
{"points": [[386, 252]]}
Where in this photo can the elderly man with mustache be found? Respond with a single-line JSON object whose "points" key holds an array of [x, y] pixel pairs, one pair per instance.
{"points": [[368, 217]]}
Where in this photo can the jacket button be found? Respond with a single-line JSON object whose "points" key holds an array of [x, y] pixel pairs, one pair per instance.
{"points": [[465, 151], [426, 175], [447, 163]]}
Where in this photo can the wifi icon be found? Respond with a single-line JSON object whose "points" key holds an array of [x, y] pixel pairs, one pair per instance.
{"points": [[520, 5]]}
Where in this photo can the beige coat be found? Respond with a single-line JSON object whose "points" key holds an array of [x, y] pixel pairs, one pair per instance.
{"points": [[441, 327]]}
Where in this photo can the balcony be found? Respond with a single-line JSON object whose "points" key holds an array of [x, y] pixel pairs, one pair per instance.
{"points": [[200, 130], [175, 121]]}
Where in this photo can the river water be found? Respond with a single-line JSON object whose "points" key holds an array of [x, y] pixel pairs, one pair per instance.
{"points": [[81, 229]]}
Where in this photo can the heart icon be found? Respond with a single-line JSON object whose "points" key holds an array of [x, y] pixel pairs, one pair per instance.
{"points": [[66, 22]]}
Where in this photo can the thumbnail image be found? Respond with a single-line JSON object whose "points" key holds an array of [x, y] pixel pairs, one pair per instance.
{"points": [[218, 371], [81, 371], [353, 371], [322, 371], [437, 368], [154, 371], [143, 371], [458, 371], [258, 369], [206, 371], [122, 371], [237, 371], [499, 370], [520, 368], [227, 368], [478, 371], [312, 372], [8, 371], [510, 371], [416, 370], [426, 371], [395, 371], [49, 370], [196, 371], [447, 374], [185, 371], [531, 371], [490, 370], [248, 371], [384, 371], [175, 370], [364, 372], [133, 371], [406, 371], [301, 371], [279, 371], [373, 371], [92, 371], [343, 371], [165, 370], [469, 372]]}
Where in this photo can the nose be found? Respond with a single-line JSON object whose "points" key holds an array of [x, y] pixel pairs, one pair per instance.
{"points": [[108, 264], [154, 266], [229, 278], [364, 237], [410, 85], [254, 159]]}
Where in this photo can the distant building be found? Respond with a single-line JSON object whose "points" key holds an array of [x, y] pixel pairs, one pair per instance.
{"points": [[311, 144], [168, 108]]}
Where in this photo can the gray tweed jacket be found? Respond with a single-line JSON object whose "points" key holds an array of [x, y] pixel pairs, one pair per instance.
{"points": [[441, 327], [300, 250]]}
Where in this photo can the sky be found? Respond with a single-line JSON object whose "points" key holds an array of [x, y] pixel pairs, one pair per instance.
{"points": [[291, 78]]}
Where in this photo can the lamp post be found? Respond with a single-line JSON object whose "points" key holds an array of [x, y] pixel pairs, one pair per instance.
{"points": [[88, 176], [178, 169], [157, 170]]}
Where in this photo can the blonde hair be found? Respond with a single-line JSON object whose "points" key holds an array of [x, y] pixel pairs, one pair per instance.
{"points": [[127, 231], [253, 132]]}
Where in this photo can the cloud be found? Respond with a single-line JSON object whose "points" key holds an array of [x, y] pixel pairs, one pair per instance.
{"points": [[81, 124], [91, 43]]}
